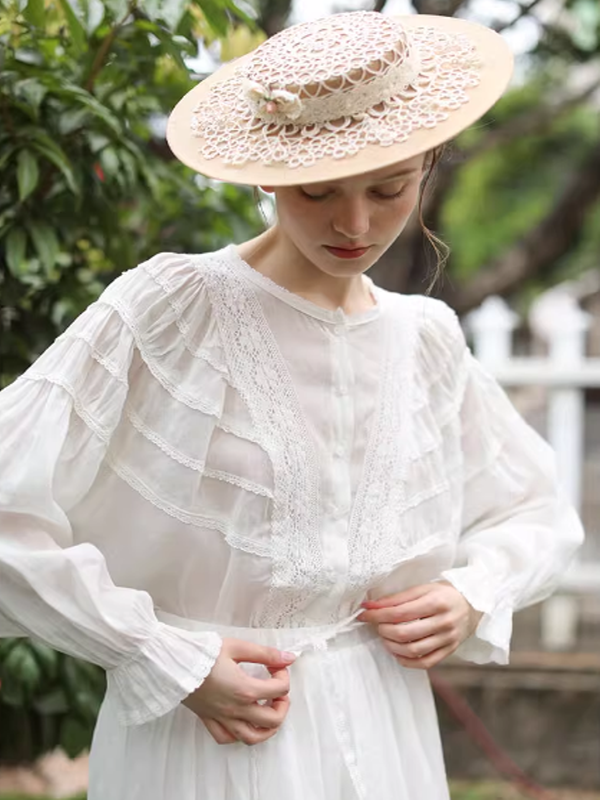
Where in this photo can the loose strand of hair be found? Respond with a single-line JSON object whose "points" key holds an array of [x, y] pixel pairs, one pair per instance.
{"points": [[440, 248]]}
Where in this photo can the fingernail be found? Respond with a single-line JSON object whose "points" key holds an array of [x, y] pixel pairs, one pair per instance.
{"points": [[289, 657]]}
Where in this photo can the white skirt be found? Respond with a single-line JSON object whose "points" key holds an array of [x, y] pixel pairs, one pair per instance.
{"points": [[359, 727]]}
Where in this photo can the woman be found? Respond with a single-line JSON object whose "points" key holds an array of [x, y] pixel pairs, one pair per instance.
{"points": [[264, 494]]}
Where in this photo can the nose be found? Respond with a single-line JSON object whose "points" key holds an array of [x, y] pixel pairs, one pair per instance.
{"points": [[351, 217]]}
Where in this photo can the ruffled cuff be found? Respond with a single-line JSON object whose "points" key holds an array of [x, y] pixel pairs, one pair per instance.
{"points": [[491, 639], [168, 667]]}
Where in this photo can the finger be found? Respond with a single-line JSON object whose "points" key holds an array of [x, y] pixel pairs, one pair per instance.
{"points": [[405, 632], [422, 607], [240, 650], [248, 734], [428, 661], [413, 593], [267, 688], [219, 733], [267, 716], [417, 650]]}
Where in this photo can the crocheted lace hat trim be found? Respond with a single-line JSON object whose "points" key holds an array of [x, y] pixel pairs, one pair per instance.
{"points": [[329, 88]]}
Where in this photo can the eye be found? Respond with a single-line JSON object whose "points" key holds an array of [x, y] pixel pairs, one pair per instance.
{"points": [[308, 196], [384, 196]]}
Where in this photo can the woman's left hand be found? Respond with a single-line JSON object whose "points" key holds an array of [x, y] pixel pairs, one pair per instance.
{"points": [[424, 624]]}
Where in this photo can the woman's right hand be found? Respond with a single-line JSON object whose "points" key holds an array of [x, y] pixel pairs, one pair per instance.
{"points": [[227, 702]]}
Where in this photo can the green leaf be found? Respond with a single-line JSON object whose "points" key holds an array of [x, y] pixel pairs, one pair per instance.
{"points": [[216, 16], [75, 25], [35, 13], [109, 161], [46, 657], [95, 15], [12, 692], [16, 243], [51, 151], [117, 8], [7, 155], [72, 120], [169, 11], [28, 174], [33, 91], [6, 645], [72, 92], [55, 702], [28, 56], [74, 737], [46, 243], [23, 666]]}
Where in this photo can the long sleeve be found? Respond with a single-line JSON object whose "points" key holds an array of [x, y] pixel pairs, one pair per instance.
{"points": [[518, 531], [56, 423]]}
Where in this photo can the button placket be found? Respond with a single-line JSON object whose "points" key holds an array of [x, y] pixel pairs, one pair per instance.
{"points": [[339, 501]]}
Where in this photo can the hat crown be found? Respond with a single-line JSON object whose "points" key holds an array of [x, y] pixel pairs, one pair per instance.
{"points": [[330, 54]]}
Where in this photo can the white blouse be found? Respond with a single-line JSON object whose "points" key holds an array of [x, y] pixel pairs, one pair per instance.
{"points": [[203, 445]]}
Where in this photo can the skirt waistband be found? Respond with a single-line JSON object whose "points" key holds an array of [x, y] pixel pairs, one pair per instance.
{"points": [[345, 632]]}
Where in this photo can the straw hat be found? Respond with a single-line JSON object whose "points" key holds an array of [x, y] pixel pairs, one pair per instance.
{"points": [[340, 96]]}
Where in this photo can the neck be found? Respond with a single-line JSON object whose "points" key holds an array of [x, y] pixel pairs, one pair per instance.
{"points": [[275, 256]]}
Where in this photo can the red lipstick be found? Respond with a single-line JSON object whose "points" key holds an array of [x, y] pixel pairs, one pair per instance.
{"points": [[347, 252]]}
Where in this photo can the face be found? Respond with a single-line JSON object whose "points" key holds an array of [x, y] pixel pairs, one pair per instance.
{"points": [[342, 227]]}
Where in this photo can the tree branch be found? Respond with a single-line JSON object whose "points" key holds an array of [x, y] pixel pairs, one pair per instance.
{"points": [[273, 15], [444, 8], [530, 123], [524, 10], [540, 248], [105, 46]]}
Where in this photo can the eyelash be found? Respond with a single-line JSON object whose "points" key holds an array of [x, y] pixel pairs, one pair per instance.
{"points": [[317, 197]]}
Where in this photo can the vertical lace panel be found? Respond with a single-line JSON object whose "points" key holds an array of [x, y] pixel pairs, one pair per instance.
{"points": [[258, 372]]}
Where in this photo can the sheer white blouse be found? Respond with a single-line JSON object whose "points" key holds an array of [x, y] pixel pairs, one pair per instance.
{"points": [[203, 445]]}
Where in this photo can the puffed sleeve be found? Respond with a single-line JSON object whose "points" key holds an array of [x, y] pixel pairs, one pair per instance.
{"points": [[56, 423], [518, 532]]}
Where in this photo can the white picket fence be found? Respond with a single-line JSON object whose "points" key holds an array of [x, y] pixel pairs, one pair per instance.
{"points": [[565, 372]]}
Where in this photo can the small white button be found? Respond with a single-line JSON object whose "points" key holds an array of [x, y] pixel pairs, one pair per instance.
{"points": [[338, 329], [338, 451]]}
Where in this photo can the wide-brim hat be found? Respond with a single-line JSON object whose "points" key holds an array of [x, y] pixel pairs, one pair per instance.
{"points": [[340, 96]]}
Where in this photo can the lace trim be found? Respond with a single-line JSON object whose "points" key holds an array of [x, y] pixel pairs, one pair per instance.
{"points": [[381, 491], [354, 102], [191, 463], [259, 374], [301, 303], [236, 540], [329, 88], [184, 328], [198, 403], [102, 432], [111, 367]]}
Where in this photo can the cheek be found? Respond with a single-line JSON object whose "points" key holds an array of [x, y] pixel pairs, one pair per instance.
{"points": [[397, 217], [300, 220]]}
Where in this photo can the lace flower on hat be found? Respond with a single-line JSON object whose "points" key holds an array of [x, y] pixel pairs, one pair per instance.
{"points": [[267, 101]]}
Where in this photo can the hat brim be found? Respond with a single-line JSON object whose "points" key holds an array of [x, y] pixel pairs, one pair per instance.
{"points": [[496, 66]]}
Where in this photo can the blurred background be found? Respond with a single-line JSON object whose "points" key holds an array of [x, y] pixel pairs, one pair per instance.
{"points": [[88, 188]]}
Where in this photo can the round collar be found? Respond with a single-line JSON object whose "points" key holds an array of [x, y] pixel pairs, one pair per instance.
{"points": [[301, 303]]}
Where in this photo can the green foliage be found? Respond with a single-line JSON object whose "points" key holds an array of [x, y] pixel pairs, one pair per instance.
{"points": [[87, 189], [503, 193], [46, 699]]}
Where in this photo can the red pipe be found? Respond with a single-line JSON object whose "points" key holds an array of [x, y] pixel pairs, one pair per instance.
{"points": [[476, 730]]}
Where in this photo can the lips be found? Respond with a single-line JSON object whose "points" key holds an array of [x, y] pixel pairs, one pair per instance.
{"points": [[347, 252]]}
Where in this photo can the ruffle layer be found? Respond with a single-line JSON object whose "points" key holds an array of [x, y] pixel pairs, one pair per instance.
{"points": [[179, 383]]}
